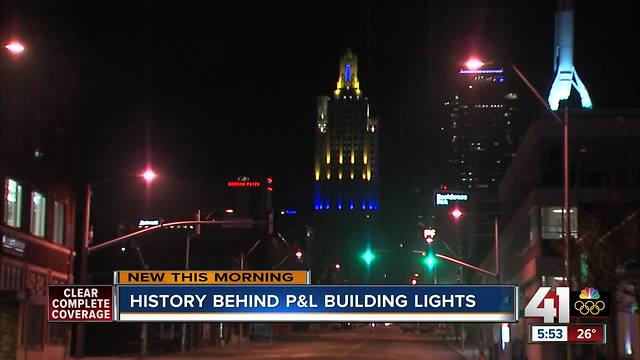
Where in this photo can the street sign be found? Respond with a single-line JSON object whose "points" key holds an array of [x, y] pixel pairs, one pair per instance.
{"points": [[443, 198]]}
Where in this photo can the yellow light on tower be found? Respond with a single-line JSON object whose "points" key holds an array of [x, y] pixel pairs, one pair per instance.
{"points": [[317, 174], [353, 158], [364, 158], [352, 176], [328, 158], [328, 174], [368, 174], [340, 157], [340, 174]]}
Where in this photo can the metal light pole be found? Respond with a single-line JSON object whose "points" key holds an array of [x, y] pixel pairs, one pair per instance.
{"points": [[566, 211], [148, 175], [566, 206], [84, 273], [183, 337], [496, 245], [565, 174]]}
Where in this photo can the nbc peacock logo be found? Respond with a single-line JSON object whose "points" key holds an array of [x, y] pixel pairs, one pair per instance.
{"points": [[589, 293], [589, 302]]}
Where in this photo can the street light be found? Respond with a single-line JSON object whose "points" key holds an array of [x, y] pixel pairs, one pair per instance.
{"points": [[148, 176], [15, 47], [565, 172], [473, 64]]}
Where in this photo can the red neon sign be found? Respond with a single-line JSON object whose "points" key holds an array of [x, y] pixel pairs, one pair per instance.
{"points": [[244, 184]]}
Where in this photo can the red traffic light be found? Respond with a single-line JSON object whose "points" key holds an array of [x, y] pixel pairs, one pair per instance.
{"points": [[299, 254], [414, 281], [337, 266], [456, 213]]}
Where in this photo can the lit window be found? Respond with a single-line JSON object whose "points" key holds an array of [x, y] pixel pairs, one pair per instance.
{"points": [[551, 218], [13, 203], [38, 213], [58, 222]]}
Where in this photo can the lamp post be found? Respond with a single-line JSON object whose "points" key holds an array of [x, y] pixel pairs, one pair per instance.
{"points": [[565, 175], [149, 175], [566, 228]]}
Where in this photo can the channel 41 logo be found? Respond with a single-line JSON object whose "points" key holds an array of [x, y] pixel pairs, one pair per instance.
{"points": [[562, 304]]}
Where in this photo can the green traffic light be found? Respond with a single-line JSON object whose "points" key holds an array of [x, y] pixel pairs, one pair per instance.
{"points": [[368, 256], [430, 261]]}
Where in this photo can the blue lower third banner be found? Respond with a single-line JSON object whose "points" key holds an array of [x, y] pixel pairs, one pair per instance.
{"points": [[316, 303]]}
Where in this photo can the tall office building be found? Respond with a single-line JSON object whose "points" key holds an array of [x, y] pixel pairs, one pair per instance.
{"points": [[481, 128], [480, 135], [346, 164]]}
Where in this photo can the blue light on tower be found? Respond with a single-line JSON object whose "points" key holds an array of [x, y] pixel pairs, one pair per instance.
{"points": [[347, 72]]}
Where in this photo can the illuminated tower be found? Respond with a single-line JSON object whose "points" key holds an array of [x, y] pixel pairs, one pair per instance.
{"points": [[346, 170], [346, 173], [482, 126]]}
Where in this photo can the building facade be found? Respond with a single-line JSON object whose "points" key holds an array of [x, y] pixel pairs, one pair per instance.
{"points": [[346, 169], [37, 215], [605, 191]]}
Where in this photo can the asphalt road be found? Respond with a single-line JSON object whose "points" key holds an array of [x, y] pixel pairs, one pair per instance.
{"points": [[366, 343]]}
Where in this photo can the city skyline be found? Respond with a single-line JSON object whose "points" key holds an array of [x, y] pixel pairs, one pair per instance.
{"points": [[383, 145], [407, 61]]}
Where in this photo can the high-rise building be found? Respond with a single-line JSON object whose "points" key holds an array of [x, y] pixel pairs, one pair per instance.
{"points": [[479, 136], [481, 127], [346, 164]]}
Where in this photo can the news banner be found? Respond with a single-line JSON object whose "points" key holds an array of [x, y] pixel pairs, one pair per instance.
{"points": [[288, 296]]}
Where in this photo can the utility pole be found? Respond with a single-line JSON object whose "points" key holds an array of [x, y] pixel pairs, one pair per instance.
{"points": [[183, 338]]}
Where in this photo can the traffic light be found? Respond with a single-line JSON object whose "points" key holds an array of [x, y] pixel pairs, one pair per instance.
{"points": [[368, 256], [337, 266], [428, 234], [430, 260], [459, 274], [414, 281], [456, 213], [298, 253]]}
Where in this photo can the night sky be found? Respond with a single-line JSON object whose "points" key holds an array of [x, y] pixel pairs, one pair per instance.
{"points": [[210, 90]]}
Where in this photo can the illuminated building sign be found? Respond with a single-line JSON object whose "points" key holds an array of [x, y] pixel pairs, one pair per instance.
{"points": [[428, 233], [443, 197], [147, 223], [288, 212], [484, 71], [243, 184]]}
